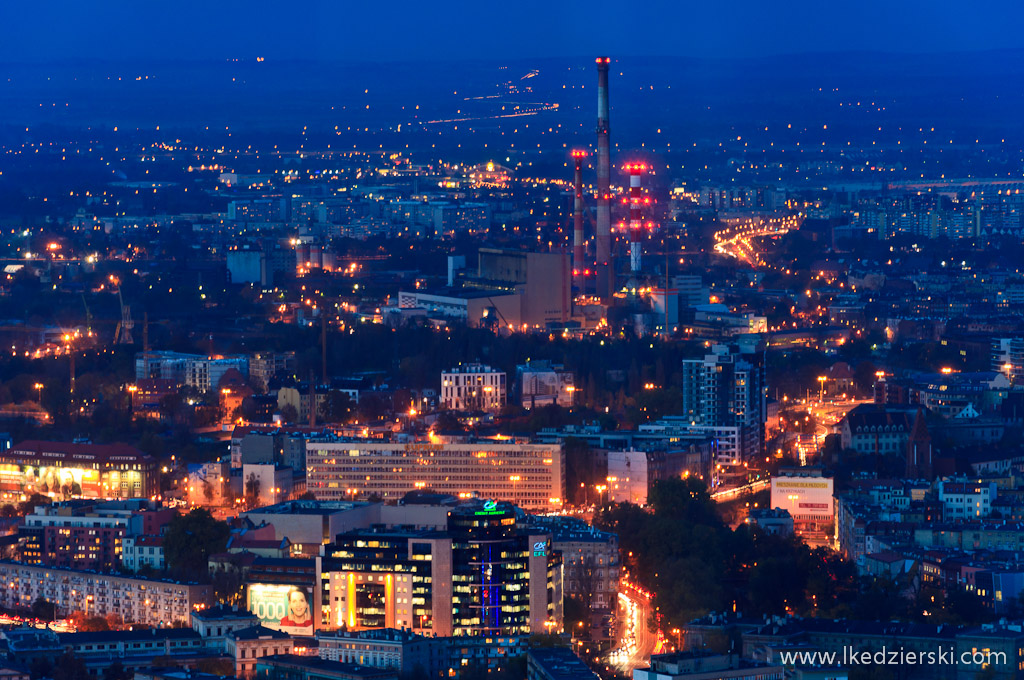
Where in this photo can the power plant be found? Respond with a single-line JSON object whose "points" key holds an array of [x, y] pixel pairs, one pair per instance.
{"points": [[637, 202]]}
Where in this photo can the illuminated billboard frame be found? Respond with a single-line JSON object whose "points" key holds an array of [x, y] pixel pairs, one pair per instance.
{"points": [[287, 608]]}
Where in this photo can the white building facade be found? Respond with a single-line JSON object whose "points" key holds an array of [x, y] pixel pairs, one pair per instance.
{"points": [[473, 387]]}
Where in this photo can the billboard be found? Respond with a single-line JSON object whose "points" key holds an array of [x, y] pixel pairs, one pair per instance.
{"points": [[806, 498], [282, 607], [60, 483]]}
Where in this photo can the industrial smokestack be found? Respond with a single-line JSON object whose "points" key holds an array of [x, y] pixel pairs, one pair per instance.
{"points": [[604, 208], [578, 254], [636, 220]]}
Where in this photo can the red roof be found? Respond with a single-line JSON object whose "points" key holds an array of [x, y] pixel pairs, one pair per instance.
{"points": [[157, 385], [840, 371]]}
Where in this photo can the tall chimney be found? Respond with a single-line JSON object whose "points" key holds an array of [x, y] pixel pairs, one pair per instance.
{"points": [[578, 248], [636, 219], [604, 209]]}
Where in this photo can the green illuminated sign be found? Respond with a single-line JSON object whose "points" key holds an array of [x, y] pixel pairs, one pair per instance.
{"points": [[490, 508]]}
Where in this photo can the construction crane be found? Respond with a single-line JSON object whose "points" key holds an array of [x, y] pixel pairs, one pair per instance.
{"points": [[88, 316], [123, 332]]}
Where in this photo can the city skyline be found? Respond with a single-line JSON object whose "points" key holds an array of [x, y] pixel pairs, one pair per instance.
{"points": [[512, 342]]}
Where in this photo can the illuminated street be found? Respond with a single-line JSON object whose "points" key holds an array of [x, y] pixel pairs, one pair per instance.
{"points": [[636, 641], [827, 416], [735, 492], [739, 241]]}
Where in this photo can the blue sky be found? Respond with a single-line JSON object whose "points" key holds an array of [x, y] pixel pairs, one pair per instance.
{"points": [[389, 31]]}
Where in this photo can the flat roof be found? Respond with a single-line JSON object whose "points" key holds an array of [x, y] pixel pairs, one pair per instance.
{"points": [[34, 449], [306, 508]]}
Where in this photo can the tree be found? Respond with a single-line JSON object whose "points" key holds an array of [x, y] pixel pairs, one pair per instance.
{"points": [[89, 624], [371, 407], [70, 667], [173, 407], [35, 499], [289, 413], [246, 410], [117, 671], [579, 470], [252, 488], [227, 586], [447, 423], [40, 668], [574, 612], [191, 539], [43, 609], [337, 408]]}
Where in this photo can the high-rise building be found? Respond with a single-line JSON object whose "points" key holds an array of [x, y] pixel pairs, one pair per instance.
{"points": [[204, 373], [529, 475], [484, 574], [590, 569], [1008, 358], [727, 389]]}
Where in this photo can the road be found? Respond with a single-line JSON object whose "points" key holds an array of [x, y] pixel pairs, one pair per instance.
{"points": [[739, 491], [827, 415], [636, 641], [738, 240]]}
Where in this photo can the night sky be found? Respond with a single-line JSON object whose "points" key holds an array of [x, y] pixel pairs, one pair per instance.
{"points": [[386, 31]]}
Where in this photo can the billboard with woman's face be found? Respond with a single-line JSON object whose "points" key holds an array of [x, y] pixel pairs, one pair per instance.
{"points": [[282, 607]]}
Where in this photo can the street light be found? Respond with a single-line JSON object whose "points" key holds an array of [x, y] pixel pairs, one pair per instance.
{"points": [[39, 392], [821, 392]]}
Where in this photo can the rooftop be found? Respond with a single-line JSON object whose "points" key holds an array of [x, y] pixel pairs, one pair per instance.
{"points": [[306, 508], [220, 613], [559, 663], [128, 635], [326, 669], [69, 451], [259, 632]]}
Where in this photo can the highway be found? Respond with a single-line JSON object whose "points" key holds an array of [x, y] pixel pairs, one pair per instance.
{"points": [[738, 241]]}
